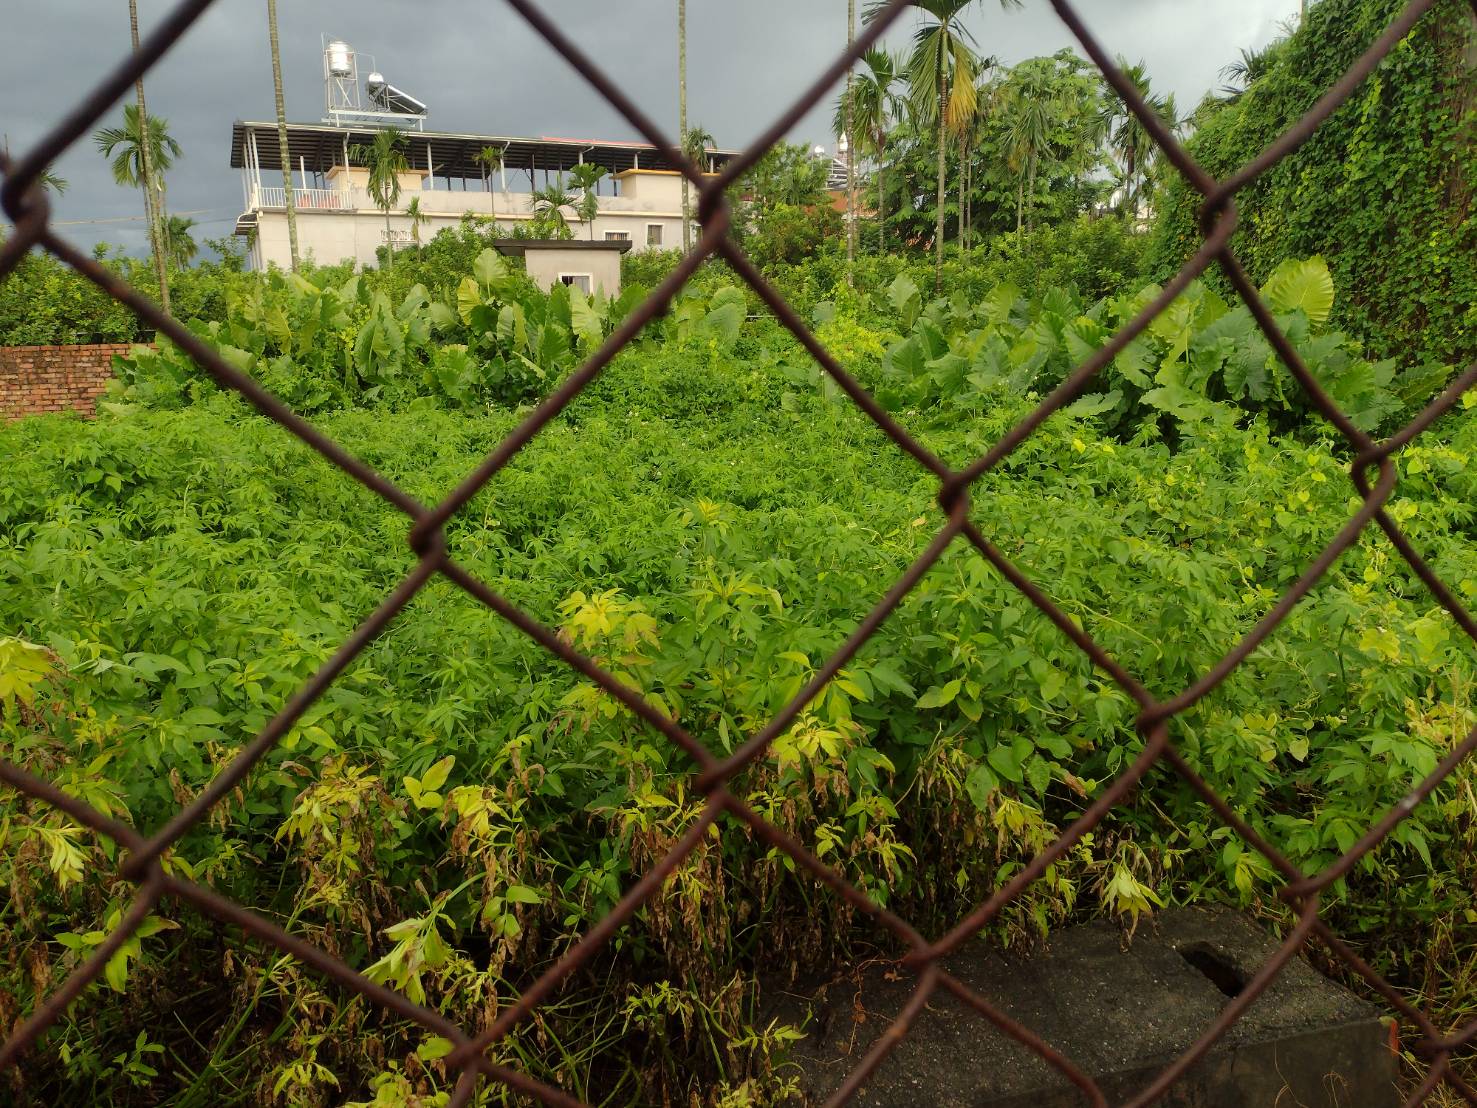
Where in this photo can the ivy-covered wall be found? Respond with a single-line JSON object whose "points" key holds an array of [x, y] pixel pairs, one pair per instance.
{"points": [[1383, 190]]}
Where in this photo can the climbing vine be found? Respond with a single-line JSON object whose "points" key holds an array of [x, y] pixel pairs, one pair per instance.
{"points": [[1383, 190]]}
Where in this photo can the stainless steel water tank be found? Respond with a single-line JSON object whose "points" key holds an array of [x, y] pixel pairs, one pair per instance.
{"points": [[340, 59]]}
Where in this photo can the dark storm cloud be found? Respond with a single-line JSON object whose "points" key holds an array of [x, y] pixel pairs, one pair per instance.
{"points": [[480, 68]]}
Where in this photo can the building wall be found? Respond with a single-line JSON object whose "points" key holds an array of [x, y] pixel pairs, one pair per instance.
{"points": [[545, 267], [342, 223], [37, 379], [331, 237]]}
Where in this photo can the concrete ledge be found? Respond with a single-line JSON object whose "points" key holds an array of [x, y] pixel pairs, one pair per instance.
{"points": [[1121, 1015]]}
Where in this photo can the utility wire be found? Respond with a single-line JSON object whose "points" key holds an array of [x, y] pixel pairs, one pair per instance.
{"points": [[127, 218]]}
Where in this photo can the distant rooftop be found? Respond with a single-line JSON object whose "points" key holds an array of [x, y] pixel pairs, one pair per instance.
{"points": [[320, 147]]}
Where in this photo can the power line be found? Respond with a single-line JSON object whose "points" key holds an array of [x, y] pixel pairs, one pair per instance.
{"points": [[128, 218]]}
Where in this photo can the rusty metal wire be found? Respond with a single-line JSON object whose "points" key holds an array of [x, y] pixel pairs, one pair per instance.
{"points": [[1372, 473]]}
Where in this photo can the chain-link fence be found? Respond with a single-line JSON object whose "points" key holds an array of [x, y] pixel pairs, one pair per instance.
{"points": [[1373, 474]]}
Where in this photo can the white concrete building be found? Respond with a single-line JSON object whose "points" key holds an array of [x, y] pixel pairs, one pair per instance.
{"points": [[640, 199]]}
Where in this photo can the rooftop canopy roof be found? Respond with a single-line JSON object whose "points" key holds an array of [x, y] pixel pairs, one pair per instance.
{"points": [[321, 147]]}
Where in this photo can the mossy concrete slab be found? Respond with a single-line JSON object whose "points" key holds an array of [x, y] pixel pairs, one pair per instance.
{"points": [[1122, 1012]]}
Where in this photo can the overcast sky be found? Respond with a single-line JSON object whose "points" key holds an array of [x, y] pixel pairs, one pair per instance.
{"points": [[481, 69]]}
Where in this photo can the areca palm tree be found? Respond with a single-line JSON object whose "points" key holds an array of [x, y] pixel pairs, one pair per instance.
{"points": [[682, 118], [849, 130], [179, 243], [696, 143], [1129, 139], [1029, 102], [286, 159], [490, 158], [153, 206], [418, 219], [874, 104], [141, 150], [586, 177], [941, 72], [385, 159], [549, 203], [53, 183]]}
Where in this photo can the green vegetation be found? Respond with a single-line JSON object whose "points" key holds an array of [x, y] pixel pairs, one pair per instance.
{"points": [[709, 520], [1383, 189]]}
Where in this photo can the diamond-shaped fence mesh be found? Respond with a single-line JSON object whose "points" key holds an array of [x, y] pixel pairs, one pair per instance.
{"points": [[1372, 473]]}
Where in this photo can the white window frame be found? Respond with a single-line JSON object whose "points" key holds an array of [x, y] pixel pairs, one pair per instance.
{"points": [[661, 232], [617, 236], [589, 279]]}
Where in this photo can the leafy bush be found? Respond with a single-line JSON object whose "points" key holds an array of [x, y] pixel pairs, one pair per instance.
{"points": [[1202, 362], [1094, 257]]}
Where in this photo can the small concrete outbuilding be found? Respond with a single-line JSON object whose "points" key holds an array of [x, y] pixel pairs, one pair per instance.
{"points": [[588, 266]]}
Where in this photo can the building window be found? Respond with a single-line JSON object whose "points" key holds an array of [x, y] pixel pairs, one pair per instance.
{"points": [[617, 236], [653, 234], [579, 281]]}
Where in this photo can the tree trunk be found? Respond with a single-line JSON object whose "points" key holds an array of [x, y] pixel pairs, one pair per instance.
{"points": [[966, 168], [1031, 194], [282, 135], [152, 212], [682, 119], [881, 203], [389, 243], [850, 153], [1128, 198], [961, 193], [1020, 204], [938, 230]]}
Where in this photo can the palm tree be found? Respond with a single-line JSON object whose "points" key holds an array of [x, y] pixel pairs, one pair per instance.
{"points": [[873, 106], [385, 157], [179, 244], [696, 143], [417, 219], [549, 203], [52, 183], [586, 177], [490, 158], [682, 119], [286, 159], [849, 130], [1129, 139], [140, 163], [1030, 104], [941, 77], [153, 207]]}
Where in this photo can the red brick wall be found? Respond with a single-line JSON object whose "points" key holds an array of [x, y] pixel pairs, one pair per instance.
{"points": [[36, 379]]}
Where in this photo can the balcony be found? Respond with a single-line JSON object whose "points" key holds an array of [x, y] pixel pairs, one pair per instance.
{"points": [[439, 202]]}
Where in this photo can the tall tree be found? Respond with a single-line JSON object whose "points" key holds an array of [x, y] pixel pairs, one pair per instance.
{"points": [[1130, 139], [851, 150], [153, 210], [1031, 106], [179, 243], [587, 177], [286, 158], [490, 158], [941, 74], [418, 219], [696, 145], [682, 119], [141, 150], [873, 106], [385, 158]]}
